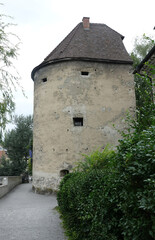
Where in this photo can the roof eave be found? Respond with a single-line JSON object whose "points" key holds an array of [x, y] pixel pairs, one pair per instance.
{"points": [[44, 64]]}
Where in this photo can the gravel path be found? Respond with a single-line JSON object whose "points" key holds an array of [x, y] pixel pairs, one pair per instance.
{"points": [[25, 215]]}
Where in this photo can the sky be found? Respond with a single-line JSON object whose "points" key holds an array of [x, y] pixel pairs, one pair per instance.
{"points": [[42, 24]]}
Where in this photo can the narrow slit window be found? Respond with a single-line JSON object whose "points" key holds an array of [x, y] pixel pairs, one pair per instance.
{"points": [[84, 73], [78, 122], [44, 80]]}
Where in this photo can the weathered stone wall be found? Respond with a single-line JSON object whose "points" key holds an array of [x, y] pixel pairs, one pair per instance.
{"points": [[61, 93], [8, 183]]}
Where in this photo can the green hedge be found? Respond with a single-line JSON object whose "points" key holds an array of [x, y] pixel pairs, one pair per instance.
{"points": [[84, 202]]}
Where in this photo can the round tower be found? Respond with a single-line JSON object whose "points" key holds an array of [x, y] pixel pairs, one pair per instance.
{"points": [[83, 87]]}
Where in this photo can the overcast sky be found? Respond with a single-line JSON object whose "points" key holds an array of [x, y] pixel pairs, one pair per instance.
{"points": [[42, 24]]}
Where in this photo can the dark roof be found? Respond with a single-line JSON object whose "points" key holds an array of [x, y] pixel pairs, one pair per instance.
{"points": [[146, 59], [98, 43]]}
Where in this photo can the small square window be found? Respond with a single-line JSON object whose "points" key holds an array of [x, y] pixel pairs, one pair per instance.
{"points": [[44, 80], [84, 73], [78, 122]]}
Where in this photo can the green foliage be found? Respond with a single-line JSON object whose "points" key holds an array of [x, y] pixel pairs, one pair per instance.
{"points": [[135, 160], [5, 167], [9, 77], [30, 160], [111, 194], [87, 212], [17, 143], [142, 46], [96, 160], [136, 166], [145, 100], [30, 166]]}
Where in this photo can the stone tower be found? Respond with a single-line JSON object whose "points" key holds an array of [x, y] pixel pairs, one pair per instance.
{"points": [[83, 87]]}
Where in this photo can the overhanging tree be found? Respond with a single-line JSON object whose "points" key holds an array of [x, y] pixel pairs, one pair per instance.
{"points": [[9, 77], [142, 45]]}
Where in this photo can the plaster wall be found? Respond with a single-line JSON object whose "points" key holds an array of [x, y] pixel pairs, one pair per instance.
{"points": [[101, 98]]}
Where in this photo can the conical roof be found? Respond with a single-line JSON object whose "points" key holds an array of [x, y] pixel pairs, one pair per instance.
{"points": [[96, 43]]}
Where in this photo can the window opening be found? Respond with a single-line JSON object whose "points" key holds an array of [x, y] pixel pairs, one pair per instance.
{"points": [[63, 172], [78, 122], [84, 73], [44, 80]]}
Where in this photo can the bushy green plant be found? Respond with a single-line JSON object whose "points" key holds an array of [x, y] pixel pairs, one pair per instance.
{"points": [[136, 181], [29, 167], [135, 161], [84, 202], [96, 160], [5, 167]]}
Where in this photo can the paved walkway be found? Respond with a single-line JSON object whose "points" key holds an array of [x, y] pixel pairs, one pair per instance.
{"points": [[25, 215]]}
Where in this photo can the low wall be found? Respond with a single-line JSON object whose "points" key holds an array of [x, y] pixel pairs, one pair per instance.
{"points": [[8, 183]]}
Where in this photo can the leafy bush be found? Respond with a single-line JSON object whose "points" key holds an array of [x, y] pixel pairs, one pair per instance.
{"points": [[97, 160], [84, 202], [5, 169], [136, 167]]}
